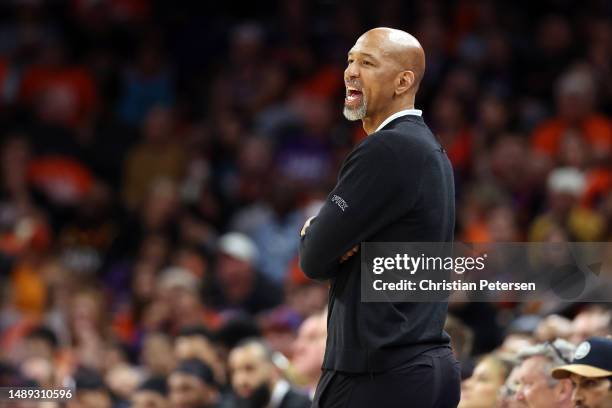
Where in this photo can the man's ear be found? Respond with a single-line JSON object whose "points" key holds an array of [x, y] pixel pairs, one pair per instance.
{"points": [[565, 389], [404, 81]]}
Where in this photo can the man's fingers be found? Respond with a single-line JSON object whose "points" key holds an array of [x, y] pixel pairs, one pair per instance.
{"points": [[306, 225], [349, 253]]}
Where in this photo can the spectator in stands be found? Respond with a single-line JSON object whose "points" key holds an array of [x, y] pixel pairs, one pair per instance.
{"points": [[257, 380], [241, 285], [89, 330], [273, 238], [590, 373], [39, 370], [482, 388], [152, 393], [308, 351], [565, 186], [61, 93], [537, 387], [192, 385], [179, 293], [157, 356], [158, 156], [507, 393], [90, 390], [576, 110], [41, 342], [198, 342], [146, 84], [122, 381]]}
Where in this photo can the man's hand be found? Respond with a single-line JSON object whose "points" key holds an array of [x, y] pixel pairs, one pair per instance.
{"points": [[350, 253], [306, 225]]}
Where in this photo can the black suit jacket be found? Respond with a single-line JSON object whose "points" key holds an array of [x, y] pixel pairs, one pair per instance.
{"points": [[395, 186]]}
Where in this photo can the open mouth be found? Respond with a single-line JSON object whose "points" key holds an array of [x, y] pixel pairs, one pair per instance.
{"points": [[353, 96]]}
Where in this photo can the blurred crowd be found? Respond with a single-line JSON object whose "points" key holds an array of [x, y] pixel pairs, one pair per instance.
{"points": [[159, 159]]}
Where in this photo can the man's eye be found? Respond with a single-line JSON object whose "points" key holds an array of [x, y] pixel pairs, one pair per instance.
{"points": [[349, 61], [367, 63]]}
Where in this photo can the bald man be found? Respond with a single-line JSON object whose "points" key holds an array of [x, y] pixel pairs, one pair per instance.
{"points": [[395, 186]]}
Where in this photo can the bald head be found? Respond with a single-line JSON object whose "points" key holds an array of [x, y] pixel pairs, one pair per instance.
{"points": [[399, 48], [385, 68]]}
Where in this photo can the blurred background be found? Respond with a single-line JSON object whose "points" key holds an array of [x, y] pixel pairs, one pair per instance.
{"points": [[158, 160]]}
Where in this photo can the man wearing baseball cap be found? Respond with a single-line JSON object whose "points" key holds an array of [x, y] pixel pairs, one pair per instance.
{"points": [[590, 373]]}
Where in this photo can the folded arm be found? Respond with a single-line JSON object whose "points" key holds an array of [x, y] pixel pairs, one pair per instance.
{"points": [[364, 200]]}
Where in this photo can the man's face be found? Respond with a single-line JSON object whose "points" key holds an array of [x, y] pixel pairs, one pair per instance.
{"points": [[236, 276], [591, 392], [480, 390], [309, 347], [507, 396], [369, 78], [157, 353], [535, 390], [249, 370], [187, 391], [148, 399], [231, 267]]}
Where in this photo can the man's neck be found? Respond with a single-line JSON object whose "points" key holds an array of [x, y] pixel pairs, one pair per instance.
{"points": [[372, 122]]}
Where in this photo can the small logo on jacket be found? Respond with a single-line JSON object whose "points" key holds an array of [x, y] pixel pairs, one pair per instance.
{"points": [[339, 202]]}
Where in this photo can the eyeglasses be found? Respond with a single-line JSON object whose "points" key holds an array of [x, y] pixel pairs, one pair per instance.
{"points": [[508, 391], [557, 352]]}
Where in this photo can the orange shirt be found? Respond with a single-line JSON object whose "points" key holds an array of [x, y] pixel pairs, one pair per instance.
{"points": [[64, 178], [29, 290], [69, 91], [597, 131]]}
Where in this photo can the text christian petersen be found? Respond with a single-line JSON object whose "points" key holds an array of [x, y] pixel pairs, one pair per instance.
{"points": [[422, 263]]}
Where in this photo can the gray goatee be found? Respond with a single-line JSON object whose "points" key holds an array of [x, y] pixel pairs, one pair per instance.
{"points": [[357, 113]]}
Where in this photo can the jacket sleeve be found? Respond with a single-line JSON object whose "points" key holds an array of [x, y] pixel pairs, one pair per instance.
{"points": [[366, 198]]}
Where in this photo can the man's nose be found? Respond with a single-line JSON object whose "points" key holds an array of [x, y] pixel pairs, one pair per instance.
{"points": [[351, 72], [577, 396]]}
